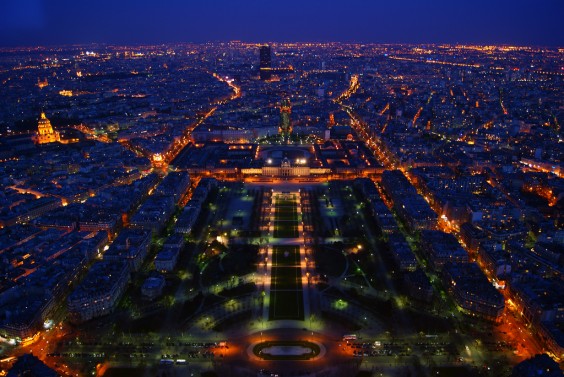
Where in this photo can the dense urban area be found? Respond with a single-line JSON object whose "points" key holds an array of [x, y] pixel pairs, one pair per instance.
{"points": [[290, 209]]}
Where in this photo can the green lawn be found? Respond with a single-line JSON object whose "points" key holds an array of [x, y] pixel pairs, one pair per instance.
{"points": [[286, 216], [286, 296], [286, 305], [286, 213], [286, 229], [285, 219], [285, 256], [286, 278], [286, 205], [286, 202]]}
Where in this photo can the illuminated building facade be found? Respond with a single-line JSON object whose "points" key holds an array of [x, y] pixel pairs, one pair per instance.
{"points": [[42, 84], [285, 126], [472, 291], [45, 133], [265, 63], [99, 292], [286, 170]]}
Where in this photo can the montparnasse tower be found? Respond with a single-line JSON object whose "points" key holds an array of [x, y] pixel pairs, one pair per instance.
{"points": [[45, 132]]}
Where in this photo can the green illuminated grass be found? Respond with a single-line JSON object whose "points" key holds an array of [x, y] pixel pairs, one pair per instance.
{"points": [[279, 258], [286, 305], [286, 296], [286, 278], [286, 216], [286, 229], [285, 219]]}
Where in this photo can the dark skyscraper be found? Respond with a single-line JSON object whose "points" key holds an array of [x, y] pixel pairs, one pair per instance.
{"points": [[265, 63]]}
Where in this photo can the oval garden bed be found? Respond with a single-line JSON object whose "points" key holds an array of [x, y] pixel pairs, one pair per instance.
{"points": [[286, 350]]}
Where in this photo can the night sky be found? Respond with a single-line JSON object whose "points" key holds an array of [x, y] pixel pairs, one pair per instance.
{"points": [[50, 22]]}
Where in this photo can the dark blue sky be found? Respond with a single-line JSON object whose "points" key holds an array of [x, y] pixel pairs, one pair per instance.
{"points": [[48, 22]]}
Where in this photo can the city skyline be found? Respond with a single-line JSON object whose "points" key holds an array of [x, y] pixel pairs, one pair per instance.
{"points": [[281, 189], [332, 209], [38, 22]]}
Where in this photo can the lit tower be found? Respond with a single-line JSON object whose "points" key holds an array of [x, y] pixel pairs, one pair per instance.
{"points": [[331, 120], [285, 127], [42, 84], [45, 133], [265, 63]]}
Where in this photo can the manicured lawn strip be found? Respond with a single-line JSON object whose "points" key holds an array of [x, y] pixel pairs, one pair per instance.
{"points": [[286, 305], [286, 296], [286, 229], [286, 208], [279, 260], [285, 225], [286, 217], [284, 248], [285, 202], [286, 278], [289, 233]]}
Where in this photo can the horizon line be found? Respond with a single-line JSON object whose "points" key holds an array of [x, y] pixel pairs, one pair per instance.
{"points": [[142, 44]]}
